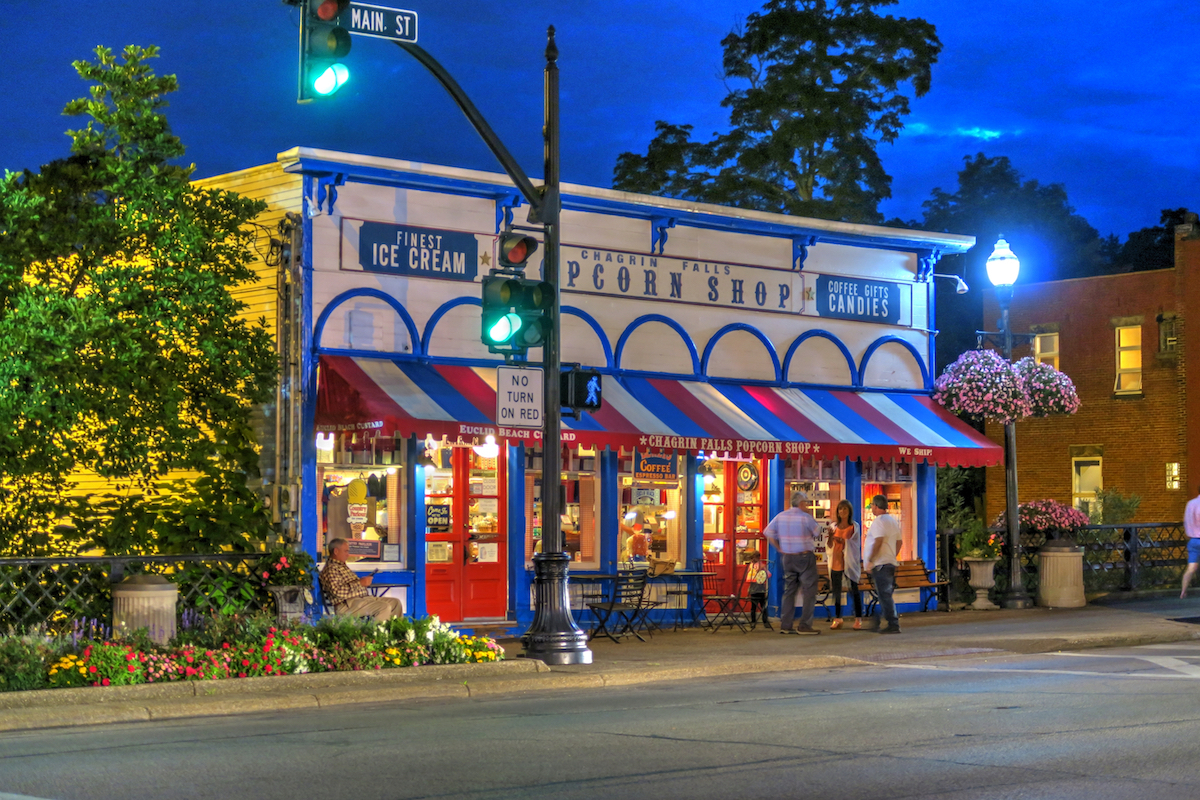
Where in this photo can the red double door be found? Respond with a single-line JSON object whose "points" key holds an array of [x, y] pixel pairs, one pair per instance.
{"points": [[734, 519], [466, 537]]}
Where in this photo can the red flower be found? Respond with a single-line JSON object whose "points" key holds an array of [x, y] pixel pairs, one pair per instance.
{"points": [[267, 648], [270, 668], [188, 659], [190, 672], [270, 630], [132, 668], [129, 657], [91, 669], [241, 674], [104, 682], [245, 662], [225, 646], [266, 575]]}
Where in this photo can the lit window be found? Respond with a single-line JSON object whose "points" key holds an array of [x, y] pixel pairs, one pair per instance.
{"points": [[1173, 475], [1168, 336], [1045, 349], [1086, 480], [1129, 360]]}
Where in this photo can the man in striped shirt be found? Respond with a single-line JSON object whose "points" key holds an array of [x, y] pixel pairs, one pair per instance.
{"points": [[794, 534]]}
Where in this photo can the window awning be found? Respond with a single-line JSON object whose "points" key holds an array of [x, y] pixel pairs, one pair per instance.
{"points": [[459, 402]]}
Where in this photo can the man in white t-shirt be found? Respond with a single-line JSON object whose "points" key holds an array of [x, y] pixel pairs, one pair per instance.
{"points": [[882, 545]]}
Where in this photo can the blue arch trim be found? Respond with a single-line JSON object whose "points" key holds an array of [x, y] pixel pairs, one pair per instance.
{"points": [[820, 334], [442, 310], [909, 346], [670, 323], [350, 294], [755, 332], [595, 326]]}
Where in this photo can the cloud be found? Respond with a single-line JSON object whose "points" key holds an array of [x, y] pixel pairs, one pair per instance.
{"points": [[976, 132]]}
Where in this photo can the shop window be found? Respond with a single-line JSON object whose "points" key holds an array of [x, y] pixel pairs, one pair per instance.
{"points": [[1173, 475], [1129, 360], [651, 522], [1045, 348], [880, 477], [1168, 335], [822, 482], [579, 506], [362, 495], [1086, 480]]}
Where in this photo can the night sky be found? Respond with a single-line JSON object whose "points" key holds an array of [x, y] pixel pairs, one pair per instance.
{"points": [[1102, 97]]}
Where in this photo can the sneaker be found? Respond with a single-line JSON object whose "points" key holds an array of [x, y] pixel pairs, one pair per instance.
{"points": [[890, 629], [807, 631], [786, 631], [833, 626], [858, 625]]}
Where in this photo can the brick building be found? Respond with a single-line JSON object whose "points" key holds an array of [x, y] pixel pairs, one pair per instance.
{"points": [[1122, 339]]}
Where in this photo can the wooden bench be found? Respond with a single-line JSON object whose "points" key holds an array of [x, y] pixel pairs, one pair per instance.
{"points": [[909, 575]]}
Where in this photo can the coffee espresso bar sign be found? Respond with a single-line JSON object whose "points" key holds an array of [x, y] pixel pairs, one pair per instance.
{"points": [[863, 300], [412, 252], [648, 467]]}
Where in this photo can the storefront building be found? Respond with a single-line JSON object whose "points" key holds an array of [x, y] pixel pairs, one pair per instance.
{"points": [[743, 354]]}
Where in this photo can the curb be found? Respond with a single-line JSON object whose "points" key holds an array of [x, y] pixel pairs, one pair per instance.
{"points": [[51, 708]]}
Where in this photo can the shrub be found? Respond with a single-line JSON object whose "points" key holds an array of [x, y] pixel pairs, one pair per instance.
{"points": [[23, 663], [976, 541]]}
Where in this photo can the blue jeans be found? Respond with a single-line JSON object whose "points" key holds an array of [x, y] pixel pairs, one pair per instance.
{"points": [[1193, 548], [799, 575], [884, 576]]}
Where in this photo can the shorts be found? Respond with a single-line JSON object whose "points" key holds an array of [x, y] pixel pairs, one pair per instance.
{"points": [[1193, 551]]}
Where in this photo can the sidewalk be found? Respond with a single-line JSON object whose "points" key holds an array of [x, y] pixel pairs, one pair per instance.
{"points": [[666, 656]]}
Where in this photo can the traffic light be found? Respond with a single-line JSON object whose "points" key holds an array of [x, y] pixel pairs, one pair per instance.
{"points": [[515, 250], [515, 313], [322, 42], [580, 389]]}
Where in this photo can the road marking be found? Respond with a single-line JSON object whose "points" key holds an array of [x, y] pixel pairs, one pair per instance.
{"points": [[1038, 671], [1166, 662]]}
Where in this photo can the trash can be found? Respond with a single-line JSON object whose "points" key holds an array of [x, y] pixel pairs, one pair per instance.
{"points": [[1060, 575], [145, 601]]}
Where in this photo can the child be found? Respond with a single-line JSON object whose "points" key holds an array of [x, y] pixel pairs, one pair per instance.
{"points": [[756, 582]]}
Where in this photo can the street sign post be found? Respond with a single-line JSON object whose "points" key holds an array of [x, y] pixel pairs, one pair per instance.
{"points": [[519, 392], [364, 19]]}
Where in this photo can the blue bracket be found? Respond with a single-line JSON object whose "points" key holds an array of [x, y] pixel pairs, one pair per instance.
{"points": [[926, 262], [800, 245], [658, 232], [505, 204], [327, 190]]}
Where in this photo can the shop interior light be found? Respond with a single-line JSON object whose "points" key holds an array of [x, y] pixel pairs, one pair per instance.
{"points": [[630, 515], [489, 449], [668, 515]]}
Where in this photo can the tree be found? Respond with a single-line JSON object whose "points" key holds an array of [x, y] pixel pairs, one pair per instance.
{"points": [[124, 352], [817, 86], [1148, 248], [993, 199]]}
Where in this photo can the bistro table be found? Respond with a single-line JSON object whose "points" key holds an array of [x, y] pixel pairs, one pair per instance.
{"points": [[693, 581]]}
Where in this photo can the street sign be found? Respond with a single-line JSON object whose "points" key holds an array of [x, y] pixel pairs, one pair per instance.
{"points": [[519, 397], [381, 22]]}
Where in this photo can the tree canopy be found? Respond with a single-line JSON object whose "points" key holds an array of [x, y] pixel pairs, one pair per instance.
{"points": [[124, 351], [815, 87]]}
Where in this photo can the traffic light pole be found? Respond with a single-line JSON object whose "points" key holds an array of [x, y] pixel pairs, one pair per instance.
{"points": [[553, 637]]}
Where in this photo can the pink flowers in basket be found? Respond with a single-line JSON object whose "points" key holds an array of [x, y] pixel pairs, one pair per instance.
{"points": [[1045, 516], [982, 383]]}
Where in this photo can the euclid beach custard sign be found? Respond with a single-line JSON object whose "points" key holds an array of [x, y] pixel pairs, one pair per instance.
{"points": [[617, 273]]}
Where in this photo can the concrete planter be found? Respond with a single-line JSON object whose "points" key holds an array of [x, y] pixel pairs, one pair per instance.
{"points": [[1060, 576], [982, 579]]}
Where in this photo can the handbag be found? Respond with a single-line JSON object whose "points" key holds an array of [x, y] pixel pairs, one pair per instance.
{"points": [[660, 567]]}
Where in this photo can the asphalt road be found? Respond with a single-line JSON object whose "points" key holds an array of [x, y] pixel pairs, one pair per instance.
{"points": [[1095, 724]]}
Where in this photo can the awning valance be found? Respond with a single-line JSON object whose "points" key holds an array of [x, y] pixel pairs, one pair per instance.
{"points": [[406, 397]]}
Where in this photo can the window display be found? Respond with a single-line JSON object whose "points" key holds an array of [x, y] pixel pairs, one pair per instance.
{"points": [[822, 482], [651, 520], [579, 488]]}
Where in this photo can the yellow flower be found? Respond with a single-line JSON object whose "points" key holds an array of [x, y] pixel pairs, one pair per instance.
{"points": [[83, 670], [53, 671]]}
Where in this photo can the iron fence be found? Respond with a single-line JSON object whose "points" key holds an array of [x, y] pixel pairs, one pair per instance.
{"points": [[1117, 558], [53, 592]]}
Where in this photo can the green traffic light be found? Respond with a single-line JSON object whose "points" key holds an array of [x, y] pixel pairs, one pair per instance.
{"points": [[332, 79], [504, 328]]}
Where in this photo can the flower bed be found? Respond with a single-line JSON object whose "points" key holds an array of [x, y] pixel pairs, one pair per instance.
{"points": [[1048, 517], [234, 646]]}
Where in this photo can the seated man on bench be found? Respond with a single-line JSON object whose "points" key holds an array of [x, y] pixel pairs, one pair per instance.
{"points": [[347, 592]]}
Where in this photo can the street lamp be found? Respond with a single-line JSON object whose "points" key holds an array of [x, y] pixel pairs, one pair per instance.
{"points": [[1002, 269]]}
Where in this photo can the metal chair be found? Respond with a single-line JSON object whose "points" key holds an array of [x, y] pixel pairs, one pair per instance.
{"points": [[729, 609], [625, 604]]}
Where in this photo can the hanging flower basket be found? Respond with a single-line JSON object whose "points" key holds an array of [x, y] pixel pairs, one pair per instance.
{"points": [[1050, 391], [982, 383]]}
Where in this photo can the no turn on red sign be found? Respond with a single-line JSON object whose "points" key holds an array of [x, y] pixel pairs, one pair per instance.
{"points": [[519, 397]]}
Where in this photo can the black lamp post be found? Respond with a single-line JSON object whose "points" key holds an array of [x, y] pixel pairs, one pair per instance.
{"points": [[1003, 268]]}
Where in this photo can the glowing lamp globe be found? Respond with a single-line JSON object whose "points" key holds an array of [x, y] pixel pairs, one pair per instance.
{"points": [[1002, 265]]}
